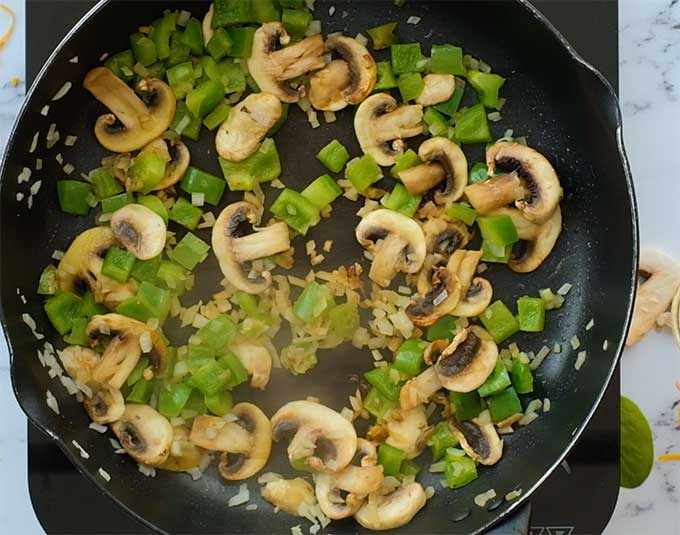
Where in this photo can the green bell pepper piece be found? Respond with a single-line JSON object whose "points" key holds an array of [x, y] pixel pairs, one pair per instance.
{"points": [[281, 120], [447, 59], [172, 398], [410, 86], [499, 254], [436, 123], [231, 12], [296, 210], [162, 29], [400, 200], [459, 471], [179, 52], [104, 183], [158, 300], [292, 4], [496, 382], [146, 172], [531, 312], [522, 378], [185, 123], [478, 173], [203, 99], [89, 306], [463, 212], [265, 11], [232, 76], [197, 181], [217, 333], [487, 86], [443, 329], [296, 21], [407, 58], [231, 362], [383, 36], [409, 468], [154, 204], [248, 303], [138, 371], [301, 465], [219, 404], [322, 192], [344, 320], [122, 65], [441, 439], [190, 251], [145, 270], [390, 458], [405, 161], [312, 302], [62, 309], [362, 172], [75, 197], [172, 276], [465, 405], [385, 76], [155, 70], [118, 264], [472, 125], [181, 81], [504, 404], [334, 156], [377, 404], [450, 107], [143, 48], [78, 335], [216, 117], [220, 44], [133, 307], [48, 284], [262, 166], [141, 392], [498, 229], [242, 41], [193, 36], [499, 321], [409, 357], [211, 378], [185, 213], [382, 379]]}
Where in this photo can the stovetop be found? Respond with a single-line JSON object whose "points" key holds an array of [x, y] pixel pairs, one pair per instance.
{"points": [[577, 499]]}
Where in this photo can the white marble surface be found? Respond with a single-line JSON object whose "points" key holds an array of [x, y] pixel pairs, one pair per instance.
{"points": [[650, 95]]}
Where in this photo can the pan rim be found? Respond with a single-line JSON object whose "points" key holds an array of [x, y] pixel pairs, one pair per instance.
{"points": [[616, 128]]}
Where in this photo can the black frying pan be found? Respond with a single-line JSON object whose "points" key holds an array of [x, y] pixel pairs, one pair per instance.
{"points": [[564, 107]]}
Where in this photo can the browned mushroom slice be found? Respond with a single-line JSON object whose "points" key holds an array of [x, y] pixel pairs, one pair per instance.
{"points": [[327, 85], [145, 434], [105, 405], [438, 88], [290, 495], [444, 236], [407, 430], [140, 230], [479, 440], [420, 389], [440, 299], [184, 455], [476, 292], [392, 510], [466, 363], [79, 362]]}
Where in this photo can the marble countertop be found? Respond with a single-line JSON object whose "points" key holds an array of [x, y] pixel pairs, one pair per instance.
{"points": [[650, 97]]}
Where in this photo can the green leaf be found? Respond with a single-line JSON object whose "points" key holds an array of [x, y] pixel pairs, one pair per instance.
{"points": [[637, 447]]}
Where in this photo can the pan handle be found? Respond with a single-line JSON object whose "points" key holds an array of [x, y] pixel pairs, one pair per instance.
{"points": [[516, 524]]}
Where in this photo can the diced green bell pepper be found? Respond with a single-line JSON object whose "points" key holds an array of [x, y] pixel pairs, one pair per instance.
{"points": [[385, 76], [172, 275], [78, 335], [383, 378], [195, 404], [145, 270], [407, 58], [265, 11], [211, 378], [172, 398], [409, 468], [138, 371], [217, 333], [296, 210], [405, 161], [377, 404], [231, 12], [334, 156], [498, 381], [383, 36], [48, 284], [447, 59], [179, 52], [296, 21], [400, 200], [390, 458], [499, 321], [104, 183], [221, 403], [504, 404], [155, 70], [301, 465], [312, 302], [292, 4], [181, 80], [522, 378], [465, 405], [186, 123], [89, 306], [75, 197], [410, 86], [472, 125], [190, 251], [154, 204], [499, 254], [248, 303], [242, 41], [262, 166], [158, 300], [231, 362], [141, 392], [322, 192], [203, 99], [162, 29], [436, 123], [463, 212], [62, 309], [443, 329], [118, 264], [459, 470], [146, 172], [185, 213], [216, 117], [409, 357], [498, 229], [344, 320], [122, 65], [220, 44], [197, 181], [450, 107], [531, 312], [193, 36], [487, 86], [478, 173], [362, 172], [441, 439]]}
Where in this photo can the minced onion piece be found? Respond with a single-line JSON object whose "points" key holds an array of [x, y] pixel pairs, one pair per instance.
{"points": [[35, 187], [241, 497], [413, 20], [482, 499], [52, 402], [313, 119], [62, 91], [34, 143], [80, 449], [104, 474], [183, 18], [148, 471], [605, 345], [580, 360], [24, 176], [98, 428], [361, 39], [575, 342], [329, 116], [590, 324], [331, 11], [564, 289], [59, 158], [494, 116], [45, 110], [198, 199], [513, 495], [74, 59], [484, 67], [38, 164], [546, 405], [314, 28], [70, 141]]}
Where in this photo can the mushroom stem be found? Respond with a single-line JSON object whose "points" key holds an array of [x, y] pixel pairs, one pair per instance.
{"points": [[383, 269], [494, 193], [119, 359], [404, 121], [266, 241], [117, 96], [422, 178]]}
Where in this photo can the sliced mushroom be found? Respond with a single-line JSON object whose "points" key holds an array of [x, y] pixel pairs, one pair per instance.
{"points": [[444, 237], [441, 297], [290, 495], [218, 434], [145, 434], [234, 249], [271, 66], [420, 389], [476, 292], [438, 88], [537, 241], [257, 360], [531, 183], [393, 510], [242, 465], [341, 495], [124, 349], [321, 436], [133, 122], [445, 166], [397, 243], [106, 405], [246, 126], [348, 80], [654, 295], [177, 156], [467, 362], [79, 362], [80, 269], [479, 440], [184, 455], [381, 125], [140, 230], [408, 430]]}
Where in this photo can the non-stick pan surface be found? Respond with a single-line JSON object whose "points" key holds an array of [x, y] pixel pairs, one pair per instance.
{"points": [[563, 107]]}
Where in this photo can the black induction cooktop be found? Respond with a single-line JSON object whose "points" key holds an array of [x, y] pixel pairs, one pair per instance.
{"points": [[577, 499]]}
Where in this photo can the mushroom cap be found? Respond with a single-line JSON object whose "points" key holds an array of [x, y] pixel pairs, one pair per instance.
{"points": [[452, 159], [246, 126], [177, 156], [133, 122], [325, 438], [408, 430], [219, 434], [106, 404], [438, 88], [257, 360], [402, 248], [184, 455], [289, 495], [381, 125], [393, 510], [362, 67], [475, 300], [479, 440], [145, 434], [444, 237], [441, 298], [271, 66], [79, 362], [80, 268], [140, 230], [467, 362], [233, 250], [242, 465], [327, 85], [420, 389], [537, 175]]}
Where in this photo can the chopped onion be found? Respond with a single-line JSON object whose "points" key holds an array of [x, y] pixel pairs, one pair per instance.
{"points": [[580, 360], [361, 39], [70, 141], [564, 289], [241, 497], [314, 28], [34, 143], [45, 110], [52, 402], [198, 199], [74, 59], [413, 20], [104, 474], [62, 91], [98, 428], [24, 176], [80, 449], [331, 11]]}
